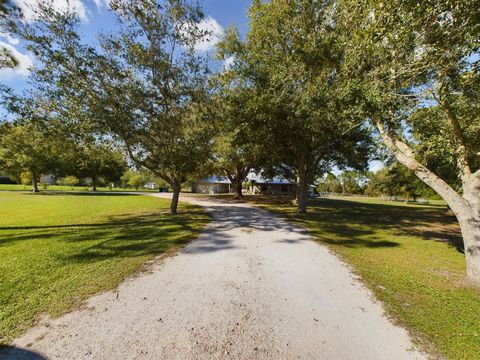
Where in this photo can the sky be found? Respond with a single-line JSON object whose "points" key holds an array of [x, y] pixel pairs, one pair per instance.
{"points": [[95, 17]]}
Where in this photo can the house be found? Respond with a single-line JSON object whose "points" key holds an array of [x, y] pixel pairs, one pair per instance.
{"points": [[257, 185], [212, 185], [271, 186], [150, 185]]}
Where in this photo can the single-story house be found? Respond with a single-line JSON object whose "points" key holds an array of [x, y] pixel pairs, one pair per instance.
{"points": [[212, 185], [271, 186], [258, 185], [150, 185]]}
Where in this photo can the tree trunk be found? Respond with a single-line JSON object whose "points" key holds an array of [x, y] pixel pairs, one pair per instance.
{"points": [[301, 198], [94, 183], [470, 226], [176, 186], [35, 183], [237, 179], [466, 207], [238, 189]]}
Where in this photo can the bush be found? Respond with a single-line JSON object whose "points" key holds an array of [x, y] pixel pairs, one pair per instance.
{"points": [[69, 181], [25, 178]]}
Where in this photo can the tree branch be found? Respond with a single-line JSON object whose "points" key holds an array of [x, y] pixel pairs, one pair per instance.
{"points": [[405, 155]]}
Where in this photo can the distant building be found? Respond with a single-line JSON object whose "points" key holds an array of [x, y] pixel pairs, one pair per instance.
{"points": [[271, 186], [212, 185], [257, 185], [150, 185], [49, 179]]}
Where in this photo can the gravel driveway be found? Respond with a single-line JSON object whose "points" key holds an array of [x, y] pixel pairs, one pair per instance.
{"points": [[251, 287]]}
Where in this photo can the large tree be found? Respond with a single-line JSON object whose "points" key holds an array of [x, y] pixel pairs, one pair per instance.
{"points": [[145, 84], [418, 74], [292, 56]]}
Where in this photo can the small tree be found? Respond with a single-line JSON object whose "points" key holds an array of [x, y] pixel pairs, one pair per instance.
{"points": [[28, 147], [71, 181], [137, 181]]}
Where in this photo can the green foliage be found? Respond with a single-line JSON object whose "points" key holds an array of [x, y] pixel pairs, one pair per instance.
{"points": [[300, 116], [396, 180], [26, 178], [29, 147], [71, 181], [137, 181]]}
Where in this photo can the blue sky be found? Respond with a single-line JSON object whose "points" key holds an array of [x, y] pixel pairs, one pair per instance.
{"points": [[96, 17]]}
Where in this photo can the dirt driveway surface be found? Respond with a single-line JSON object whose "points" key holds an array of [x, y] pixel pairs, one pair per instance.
{"points": [[251, 287]]}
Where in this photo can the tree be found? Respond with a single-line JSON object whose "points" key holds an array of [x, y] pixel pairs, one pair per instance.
{"points": [[330, 183], [292, 57], [146, 85], [69, 181], [99, 160], [27, 148], [350, 182], [417, 72], [137, 181]]}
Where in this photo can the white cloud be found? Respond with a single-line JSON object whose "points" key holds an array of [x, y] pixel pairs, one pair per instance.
{"points": [[209, 42], [228, 62], [11, 40], [101, 3], [24, 63], [29, 7], [375, 165]]}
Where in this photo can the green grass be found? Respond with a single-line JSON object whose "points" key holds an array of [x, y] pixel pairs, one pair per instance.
{"points": [[57, 249], [17, 187], [410, 256]]}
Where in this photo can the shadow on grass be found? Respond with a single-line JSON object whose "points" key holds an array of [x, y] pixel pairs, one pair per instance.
{"points": [[13, 353], [355, 224], [120, 236], [80, 193]]}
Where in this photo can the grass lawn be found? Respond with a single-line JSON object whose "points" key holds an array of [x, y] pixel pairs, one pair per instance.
{"points": [[19, 187], [412, 258], [57, 249]]}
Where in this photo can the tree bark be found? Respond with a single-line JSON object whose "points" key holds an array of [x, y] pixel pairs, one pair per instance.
{"points": [[35, 182], [237, 179], [94, 183], [238, 189], [302, 184], [466, 208], [176, 186]]}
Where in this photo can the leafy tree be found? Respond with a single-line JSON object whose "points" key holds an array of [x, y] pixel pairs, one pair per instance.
{"points": [[99, 160], [26, 178], [416, 67], [291, 55], [146, 84], [330, 183], [28, 148], [350, 182], [69, 181], [137, 181]]}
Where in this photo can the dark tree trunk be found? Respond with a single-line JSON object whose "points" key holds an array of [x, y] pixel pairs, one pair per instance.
{"points": [[35, 183], [238, 187], [237, 179], [94, 183], [302, 185], [176, 186]]}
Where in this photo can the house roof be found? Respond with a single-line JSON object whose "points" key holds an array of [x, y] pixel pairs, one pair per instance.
{"points": [[251, 177]]}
